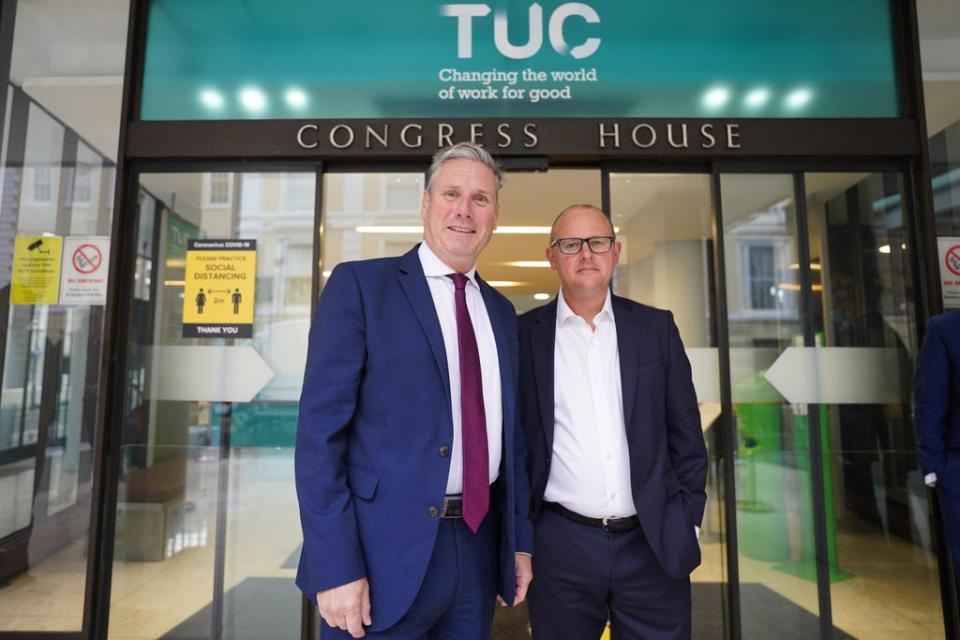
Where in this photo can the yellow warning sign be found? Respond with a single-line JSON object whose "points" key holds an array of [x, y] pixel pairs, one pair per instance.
{"points": [[218, 288], [35, 278]]}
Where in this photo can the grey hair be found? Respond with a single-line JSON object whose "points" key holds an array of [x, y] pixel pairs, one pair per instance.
{"points": [[463, 151]]}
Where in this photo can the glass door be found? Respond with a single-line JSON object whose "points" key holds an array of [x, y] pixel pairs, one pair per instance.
{"points": [[664, 222], [207, 527], [832, 518]]}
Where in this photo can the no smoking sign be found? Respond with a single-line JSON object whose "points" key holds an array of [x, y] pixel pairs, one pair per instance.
{"points": [[949, 254], [952, 260], [87, 258], [83, 279]]}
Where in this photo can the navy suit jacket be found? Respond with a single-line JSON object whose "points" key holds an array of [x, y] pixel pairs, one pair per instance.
{"points": [[668, 459], [937, 385], [374, 414]]}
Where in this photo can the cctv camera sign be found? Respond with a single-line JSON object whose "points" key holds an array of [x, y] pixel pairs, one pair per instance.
{"points": [[35, 277]]}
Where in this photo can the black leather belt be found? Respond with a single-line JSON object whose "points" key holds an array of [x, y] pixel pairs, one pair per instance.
{"points": [[613, 525], [452, 507]]}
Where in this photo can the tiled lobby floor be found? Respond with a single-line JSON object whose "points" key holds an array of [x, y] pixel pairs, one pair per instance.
{"points": [[893, 593]]}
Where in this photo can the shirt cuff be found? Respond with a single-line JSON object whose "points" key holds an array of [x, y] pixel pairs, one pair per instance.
{"points": [[930, 479], [696, 530], [524, 553]]}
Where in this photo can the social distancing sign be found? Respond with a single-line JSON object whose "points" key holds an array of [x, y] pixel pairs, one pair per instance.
{"points": [[83, 278], [220, 277], [35, 277]]}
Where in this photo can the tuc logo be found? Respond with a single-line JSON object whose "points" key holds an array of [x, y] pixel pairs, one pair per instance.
{"points": [[465, 13]]}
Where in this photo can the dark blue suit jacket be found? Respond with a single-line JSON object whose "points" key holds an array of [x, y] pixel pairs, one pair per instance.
{"points": [[668, 459], [374, 414], [937, 387]]}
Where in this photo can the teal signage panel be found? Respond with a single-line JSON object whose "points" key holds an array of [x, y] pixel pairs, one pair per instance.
{"points": [[269, 59]]}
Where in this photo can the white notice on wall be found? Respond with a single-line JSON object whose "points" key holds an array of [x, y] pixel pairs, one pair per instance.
{"points": [[83, 275], [948, 255]]}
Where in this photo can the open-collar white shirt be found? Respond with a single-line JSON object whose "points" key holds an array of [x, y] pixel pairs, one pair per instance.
{"points": [[590, 467], [442, 290]]}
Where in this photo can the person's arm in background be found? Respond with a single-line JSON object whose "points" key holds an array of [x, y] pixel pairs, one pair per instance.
{"points": [[932, 390]]}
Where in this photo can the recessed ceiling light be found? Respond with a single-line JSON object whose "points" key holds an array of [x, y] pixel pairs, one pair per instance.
{"points": [[253, 99], [296, 98], [716, 97], [757, 98], [211, 99], [798, 98]]}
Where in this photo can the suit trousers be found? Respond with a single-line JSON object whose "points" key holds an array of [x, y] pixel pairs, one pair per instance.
{"points": [[457, 596], [583, 575], [948, 493]]}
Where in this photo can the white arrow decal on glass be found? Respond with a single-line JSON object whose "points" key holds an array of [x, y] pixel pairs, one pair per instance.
{"points": [[837, 375], [212, 374], [705, 366]]}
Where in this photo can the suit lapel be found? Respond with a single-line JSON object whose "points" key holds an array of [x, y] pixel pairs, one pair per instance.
{"points": [[543, 353], [627, 347], [414, 284]]}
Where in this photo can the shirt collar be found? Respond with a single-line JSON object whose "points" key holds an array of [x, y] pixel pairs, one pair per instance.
{"points": [[564, 312], [435, 267]]}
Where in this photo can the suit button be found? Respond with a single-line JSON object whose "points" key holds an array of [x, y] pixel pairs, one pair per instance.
{"points": [[547, 460], [444, 451], [433, 512]]}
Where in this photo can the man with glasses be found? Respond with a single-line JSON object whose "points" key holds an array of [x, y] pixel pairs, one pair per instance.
{"points": [[616, 454]]}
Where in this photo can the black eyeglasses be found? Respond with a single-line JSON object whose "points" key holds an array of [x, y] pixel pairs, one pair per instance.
{"points": [[571, 246]]}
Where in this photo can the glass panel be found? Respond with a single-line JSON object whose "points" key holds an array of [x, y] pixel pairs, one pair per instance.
{"points": [[665, 229], [945, 167], [515, 260], [206, 495], [939, 27], [61, 120], [230, 59], [369, 215], [778, 580], [882, 565]]}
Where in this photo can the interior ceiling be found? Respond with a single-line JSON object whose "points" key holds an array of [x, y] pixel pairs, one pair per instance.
{"points": [[667, 208]]}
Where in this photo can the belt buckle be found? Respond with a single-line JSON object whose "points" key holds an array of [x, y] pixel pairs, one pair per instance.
{"points": [[604, 524], [445, 508]]}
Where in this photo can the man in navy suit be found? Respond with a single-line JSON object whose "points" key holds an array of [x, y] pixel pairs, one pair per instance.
{"points": [[937, 386], [616, 454], [409, 459]]}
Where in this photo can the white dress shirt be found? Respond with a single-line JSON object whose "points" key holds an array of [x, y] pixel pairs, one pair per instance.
{"points": [[442, 290], [590, 467]]}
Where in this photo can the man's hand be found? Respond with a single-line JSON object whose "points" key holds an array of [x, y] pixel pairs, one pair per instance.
{"points": [[347, 607], [524, 569]]}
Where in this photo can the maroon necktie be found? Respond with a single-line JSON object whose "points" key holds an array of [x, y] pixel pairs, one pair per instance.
{"points": [[473, 419]]}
